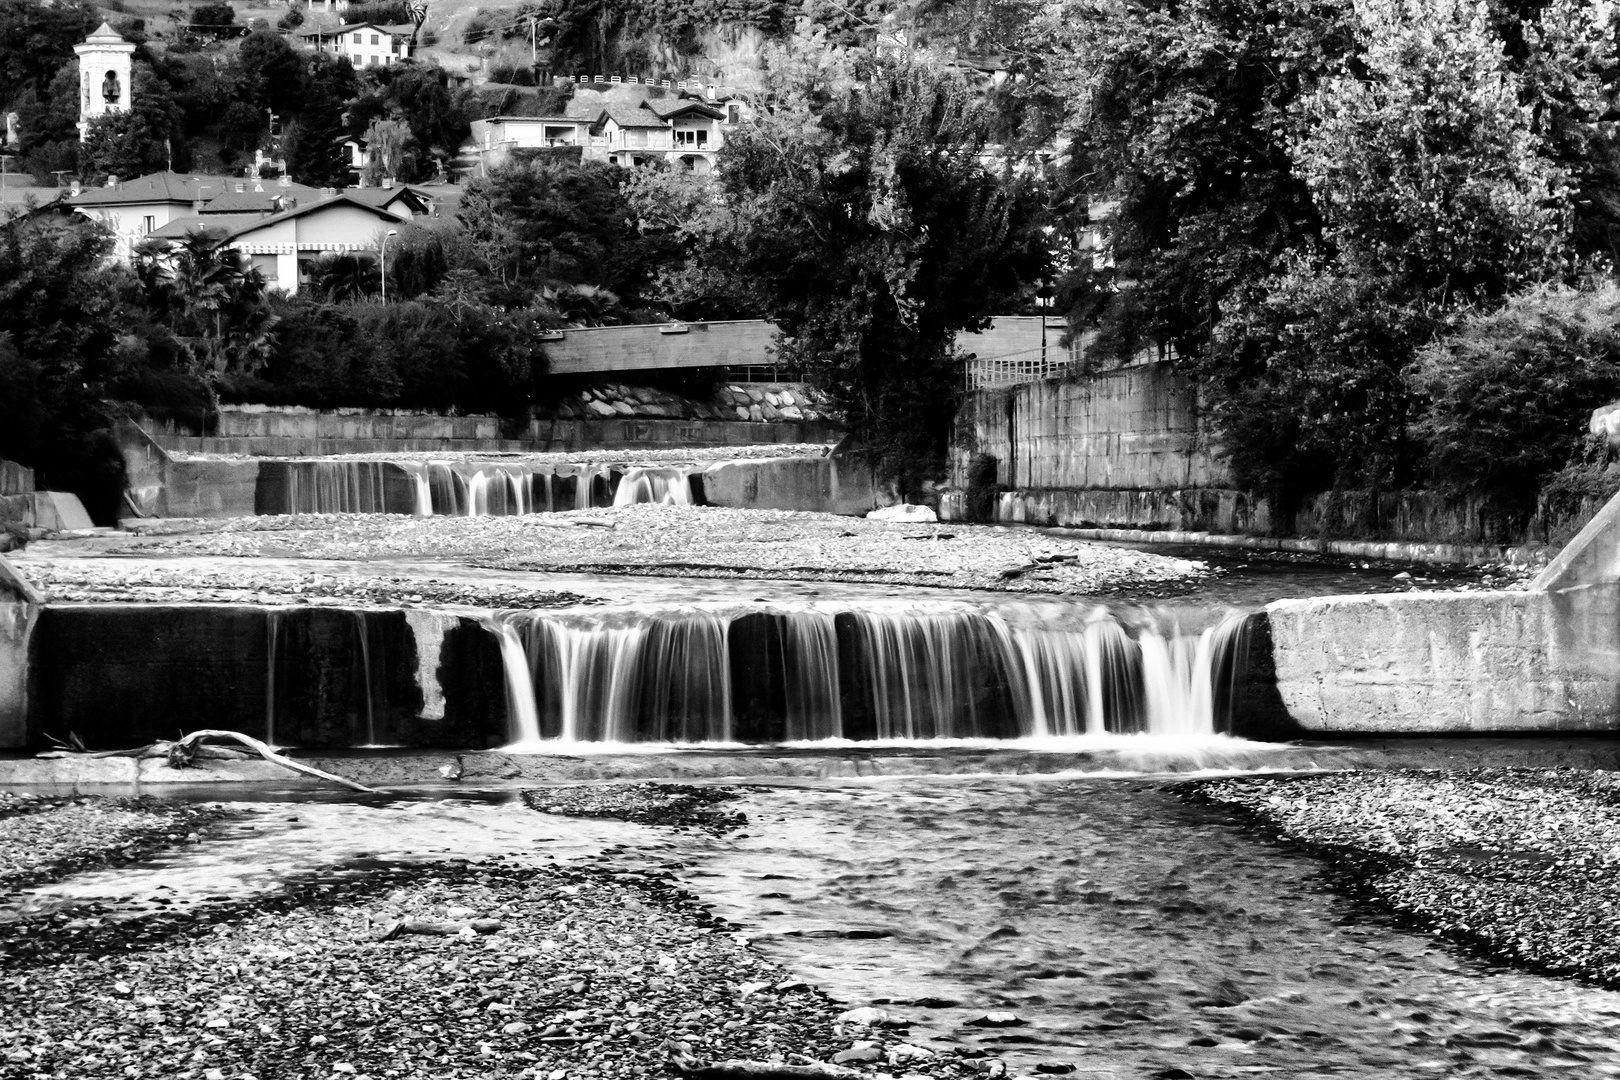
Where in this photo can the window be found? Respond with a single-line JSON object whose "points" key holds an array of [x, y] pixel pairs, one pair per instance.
{"points": [[733, 114], [375, 39], [685, 137], [148, 223], [635, 136], [266, 265], [358, 39]]}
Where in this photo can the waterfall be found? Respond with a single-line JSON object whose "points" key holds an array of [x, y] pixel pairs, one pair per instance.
{"points": [[465, 488], [272, 632], [524, 718], [362, 631], [668, 486], [808, 673]]}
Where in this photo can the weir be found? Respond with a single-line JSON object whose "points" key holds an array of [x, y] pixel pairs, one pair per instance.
{"points": [[757, 674], [888, 672], [463, 489]]}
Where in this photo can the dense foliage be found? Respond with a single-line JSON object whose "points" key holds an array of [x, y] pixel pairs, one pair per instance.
{"points": [[873, 233]]}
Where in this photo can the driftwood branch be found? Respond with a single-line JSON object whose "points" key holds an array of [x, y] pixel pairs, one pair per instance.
{"points": [[182, 750], [686, 1063], [269, 755]]}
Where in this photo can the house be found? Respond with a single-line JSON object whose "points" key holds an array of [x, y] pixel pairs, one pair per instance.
{"points": [[687, 132], [134, 209], [169, 205], [364, 44], [285, 246]]}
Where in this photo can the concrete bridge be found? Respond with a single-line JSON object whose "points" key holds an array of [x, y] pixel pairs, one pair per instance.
{"points": [[747, 347]]}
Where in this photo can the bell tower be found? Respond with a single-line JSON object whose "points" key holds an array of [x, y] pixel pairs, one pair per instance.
{"points": [[106, 64]]}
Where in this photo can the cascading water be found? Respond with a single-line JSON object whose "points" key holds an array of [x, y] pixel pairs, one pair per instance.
{"points": [[470, 488], [890, 672], [668, 486]]}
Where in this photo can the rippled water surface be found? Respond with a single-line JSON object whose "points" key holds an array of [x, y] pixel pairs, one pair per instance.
{"points": [[1134, 933]]}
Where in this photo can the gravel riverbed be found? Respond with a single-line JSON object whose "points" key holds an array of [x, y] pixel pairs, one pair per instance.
{"points": [[502, 967], [46, 838], [1518, 865], [688, 541]]}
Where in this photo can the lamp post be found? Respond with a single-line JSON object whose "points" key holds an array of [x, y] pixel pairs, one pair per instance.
{"points": [[382, 263]]}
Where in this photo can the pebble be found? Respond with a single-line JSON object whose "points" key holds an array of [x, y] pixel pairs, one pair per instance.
{"points": [[681, 541]]}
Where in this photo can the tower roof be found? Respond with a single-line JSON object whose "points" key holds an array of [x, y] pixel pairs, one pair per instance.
{"points": [[105, 32]]}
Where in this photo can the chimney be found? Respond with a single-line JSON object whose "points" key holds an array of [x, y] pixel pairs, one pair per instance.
{"points": [[285, 181], [388, 183], [240, 187], [112, 181], [74, 188]]}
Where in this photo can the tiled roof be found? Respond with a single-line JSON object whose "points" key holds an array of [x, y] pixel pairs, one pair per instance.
{"points": [[155, 187], [260, 196], [674, 107], [213, 225], [397, 31], [257, 223], [625, 116]]}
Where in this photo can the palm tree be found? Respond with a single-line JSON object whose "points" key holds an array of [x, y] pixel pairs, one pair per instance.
{"points": [[212, 299]]}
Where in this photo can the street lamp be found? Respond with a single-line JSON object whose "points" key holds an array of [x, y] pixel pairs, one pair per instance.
{"points": [[383, 264]]}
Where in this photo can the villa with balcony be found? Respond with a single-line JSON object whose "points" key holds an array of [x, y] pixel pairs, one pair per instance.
{"points": [[686, 132]]}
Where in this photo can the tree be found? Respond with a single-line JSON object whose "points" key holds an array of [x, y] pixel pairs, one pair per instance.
{"points": [[215, 20], [419, 97], [1510, 392], [1178, 124], [36, 40], [314, 146], [541, 223], [212, 300], [1304, 379], [269, 73], [875, 234], [59, 312], [1425, 156]]}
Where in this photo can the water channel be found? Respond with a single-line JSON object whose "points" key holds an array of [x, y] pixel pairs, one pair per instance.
{"points": [[1133, 932]]}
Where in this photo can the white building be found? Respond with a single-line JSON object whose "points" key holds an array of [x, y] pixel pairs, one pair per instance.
{"points": [[106, 71], [683, 131], [364, 44]]}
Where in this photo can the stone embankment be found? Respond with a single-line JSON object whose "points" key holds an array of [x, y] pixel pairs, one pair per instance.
{"points": [[1517, 865], [729, 401]]}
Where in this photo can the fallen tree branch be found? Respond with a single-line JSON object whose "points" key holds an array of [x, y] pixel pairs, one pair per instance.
{"points": [[181, 752], [270, 755], [686, 1063]]}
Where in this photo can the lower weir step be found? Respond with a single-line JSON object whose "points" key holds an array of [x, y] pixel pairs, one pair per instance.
{"points": [[116, 675]]}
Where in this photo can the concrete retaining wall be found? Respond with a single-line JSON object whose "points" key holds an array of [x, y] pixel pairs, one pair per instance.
{"points": [[1136, 428], [120, 675], [1439, 662], [15, 479], [19, 610]]}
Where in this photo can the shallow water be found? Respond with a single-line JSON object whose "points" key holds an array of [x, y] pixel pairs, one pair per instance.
{"points": [[1134, 933], [1123, 925]]}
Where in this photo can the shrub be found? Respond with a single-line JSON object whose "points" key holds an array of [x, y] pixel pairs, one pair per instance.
{"points": [[1304, 381], [1510, 391], [290, 21]]}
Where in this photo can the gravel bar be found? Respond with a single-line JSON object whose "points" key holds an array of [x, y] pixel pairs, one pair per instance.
{"points": [[1515, 865], [46, 838], [689, 541], [453, 970]]}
